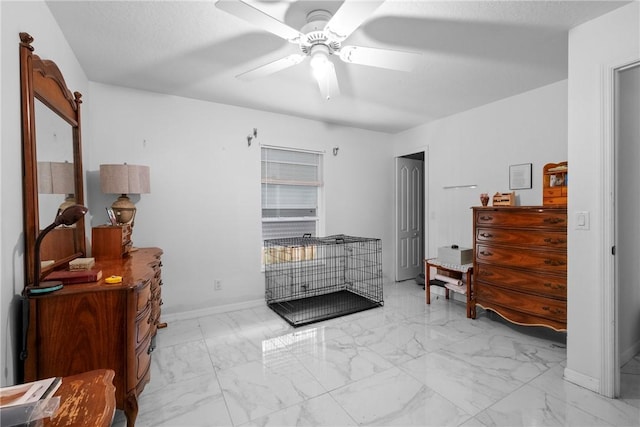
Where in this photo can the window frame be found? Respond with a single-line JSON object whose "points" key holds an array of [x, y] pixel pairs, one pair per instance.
{"points": [[318, 218]]}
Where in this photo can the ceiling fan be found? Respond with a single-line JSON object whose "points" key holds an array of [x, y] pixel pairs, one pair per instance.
{"points": [[320, 39]]}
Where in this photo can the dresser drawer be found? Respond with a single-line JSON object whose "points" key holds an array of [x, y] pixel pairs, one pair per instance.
{"points": [[552, 239], [529, 259], [542, 218], [143, 297], [143, 325], [490, 296], [143, 360], [562, 201], [525, 281]]}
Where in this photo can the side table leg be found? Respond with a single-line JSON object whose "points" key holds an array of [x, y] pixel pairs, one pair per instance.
{"points": [[427, 279]]}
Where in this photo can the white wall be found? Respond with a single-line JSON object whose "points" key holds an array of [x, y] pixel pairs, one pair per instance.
{"points": [[593, 46], [32, 17], [477, 147], [204, 206]]}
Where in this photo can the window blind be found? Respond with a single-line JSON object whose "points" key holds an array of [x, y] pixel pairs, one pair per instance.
{"points": [[290, 189]]}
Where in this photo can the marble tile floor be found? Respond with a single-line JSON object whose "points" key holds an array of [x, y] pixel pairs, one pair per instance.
{"points": [[403, 364]]}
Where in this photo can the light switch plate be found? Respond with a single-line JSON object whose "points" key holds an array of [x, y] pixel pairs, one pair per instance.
{"points": [[582, 220]]}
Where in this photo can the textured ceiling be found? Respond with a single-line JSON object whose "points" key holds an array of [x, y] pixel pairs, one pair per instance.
{"points": [[472, 53]]}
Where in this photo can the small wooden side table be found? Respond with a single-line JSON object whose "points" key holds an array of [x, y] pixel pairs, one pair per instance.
{"points": [[87, 399], [454, 271]]}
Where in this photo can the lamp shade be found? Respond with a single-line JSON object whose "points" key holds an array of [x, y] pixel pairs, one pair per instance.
{"points": [[125, 179], [56, 178]]}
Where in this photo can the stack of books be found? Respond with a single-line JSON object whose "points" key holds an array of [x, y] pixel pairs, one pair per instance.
{"points": [[70, 277], [82, 264]]}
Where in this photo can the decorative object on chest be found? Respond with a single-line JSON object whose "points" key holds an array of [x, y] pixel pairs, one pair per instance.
{"points": [[520, 264], [111, 241], [555, 184]]}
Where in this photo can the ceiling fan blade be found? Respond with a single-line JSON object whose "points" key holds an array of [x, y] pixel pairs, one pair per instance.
{"points": [[382, 58], [254, 16], [272, 67], [329, 83], [350, 16]]}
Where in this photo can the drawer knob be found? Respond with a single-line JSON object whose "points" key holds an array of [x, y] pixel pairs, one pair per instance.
{"points": [[553, 220], [150, 350], [161, 302], [486, 218], [554, 262], [555, 241], [486, 235], [553, 310], [486, 253]]}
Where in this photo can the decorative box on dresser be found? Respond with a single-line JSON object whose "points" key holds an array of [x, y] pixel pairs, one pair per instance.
{"points": [[520, 263], [96, 325], [111, 241]]}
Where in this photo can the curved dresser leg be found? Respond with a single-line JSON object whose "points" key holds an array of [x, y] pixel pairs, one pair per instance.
{"points": [[131, 409]]}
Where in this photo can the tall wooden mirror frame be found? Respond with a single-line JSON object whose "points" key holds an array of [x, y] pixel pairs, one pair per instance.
{"points": [[41, 79]]}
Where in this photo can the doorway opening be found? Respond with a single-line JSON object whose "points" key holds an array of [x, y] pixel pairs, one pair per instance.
{"points": [[410, 225], [627, 230]]}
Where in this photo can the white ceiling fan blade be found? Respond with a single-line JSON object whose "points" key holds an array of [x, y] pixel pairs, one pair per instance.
{"points": [[254, 16], [351, 14], [382, 58], [329, 83], [272, 67]]}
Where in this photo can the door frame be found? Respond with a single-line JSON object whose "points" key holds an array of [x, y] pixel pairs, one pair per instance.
{"points": [[425, 203], [610, 367]]}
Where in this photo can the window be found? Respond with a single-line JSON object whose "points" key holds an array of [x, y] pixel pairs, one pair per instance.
{"points": [[291, 183]]}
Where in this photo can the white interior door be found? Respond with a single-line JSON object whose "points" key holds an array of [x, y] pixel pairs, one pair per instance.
{"points": [[627, 221], [409, 217]]}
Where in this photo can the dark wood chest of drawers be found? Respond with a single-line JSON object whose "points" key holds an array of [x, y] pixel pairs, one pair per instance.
{"points": [[520, 263], [96, 325]]}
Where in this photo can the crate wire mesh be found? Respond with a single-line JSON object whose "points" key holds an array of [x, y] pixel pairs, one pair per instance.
{"points": [[308, 279]]}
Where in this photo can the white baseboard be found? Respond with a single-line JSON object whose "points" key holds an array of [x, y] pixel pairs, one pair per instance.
{"points": [[582, 380], [193, 314]]}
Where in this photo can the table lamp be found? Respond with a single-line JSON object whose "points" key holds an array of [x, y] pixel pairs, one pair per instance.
{"points": [[68, 217], [57, 178], [124, 179]]}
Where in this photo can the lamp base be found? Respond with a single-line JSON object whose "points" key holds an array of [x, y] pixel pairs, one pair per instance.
{"points": [[45, 288], [124, 209]]}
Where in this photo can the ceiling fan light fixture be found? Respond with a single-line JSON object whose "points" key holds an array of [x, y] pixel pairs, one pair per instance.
{"points": [[320, 63]]}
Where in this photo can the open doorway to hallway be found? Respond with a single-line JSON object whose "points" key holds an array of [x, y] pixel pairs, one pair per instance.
{"points": [[627, 229], [410, 208]]}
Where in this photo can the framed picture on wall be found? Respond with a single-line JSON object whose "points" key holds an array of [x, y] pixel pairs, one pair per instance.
{"points": [[520, 176]]}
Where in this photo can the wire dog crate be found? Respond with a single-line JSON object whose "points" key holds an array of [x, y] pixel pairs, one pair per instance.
{"points": [[308, 279]]}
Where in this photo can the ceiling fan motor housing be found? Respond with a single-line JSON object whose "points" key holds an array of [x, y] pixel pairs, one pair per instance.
{"points": [[315, 34]]}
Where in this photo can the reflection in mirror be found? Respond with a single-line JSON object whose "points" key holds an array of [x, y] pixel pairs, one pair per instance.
{"points": [[54, 151]]}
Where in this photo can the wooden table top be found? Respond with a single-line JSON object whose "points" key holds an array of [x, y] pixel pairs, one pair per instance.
{"points": [[86, 399]]}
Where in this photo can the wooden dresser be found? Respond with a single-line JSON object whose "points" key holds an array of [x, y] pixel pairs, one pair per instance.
{"points": [[520, 263], [89, 326]]}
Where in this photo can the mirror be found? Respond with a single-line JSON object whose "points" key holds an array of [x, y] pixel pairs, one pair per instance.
{"points": [[52, 160]]}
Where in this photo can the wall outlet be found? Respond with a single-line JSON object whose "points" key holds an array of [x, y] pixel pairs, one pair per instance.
{"points": [[217, 284]]}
